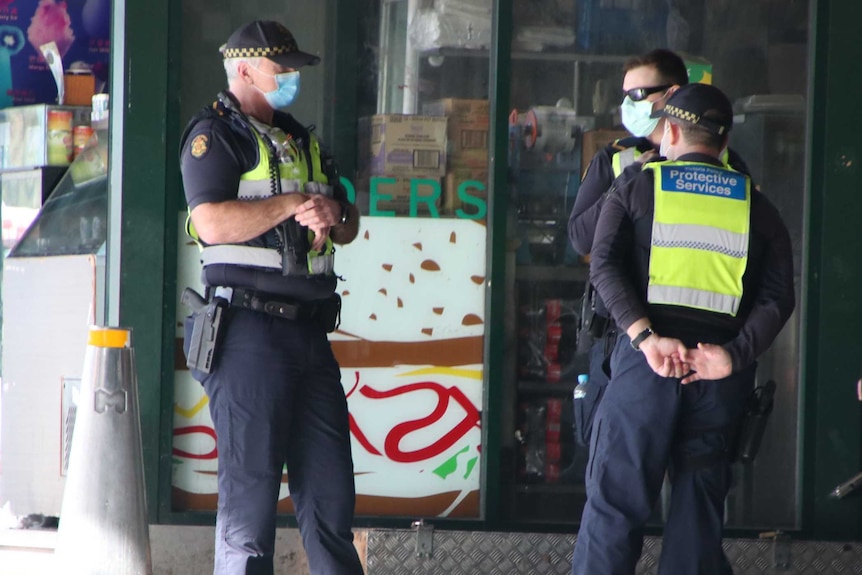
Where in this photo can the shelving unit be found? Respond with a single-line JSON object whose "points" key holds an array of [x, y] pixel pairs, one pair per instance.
{"points": [[577, 60], [560, 388], [578, 273]]}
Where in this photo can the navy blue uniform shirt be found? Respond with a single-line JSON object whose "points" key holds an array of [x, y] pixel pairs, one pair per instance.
{"points": [[619, 270], [597, 181]]}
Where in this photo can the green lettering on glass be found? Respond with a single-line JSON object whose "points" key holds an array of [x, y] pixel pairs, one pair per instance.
{"points": [[375, 196], [480, 204], [420, 194], [431, 200]]}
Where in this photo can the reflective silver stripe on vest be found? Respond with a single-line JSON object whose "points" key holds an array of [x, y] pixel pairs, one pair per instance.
{"points": [[675, 295], [697, 237], [318, 188], [257, 189], [323, 264], [241, 256], [319, 265], [264, 258], [627, 158]]}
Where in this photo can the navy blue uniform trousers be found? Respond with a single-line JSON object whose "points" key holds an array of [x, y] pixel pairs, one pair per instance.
{"points": [[275, 397], [647, 425]]}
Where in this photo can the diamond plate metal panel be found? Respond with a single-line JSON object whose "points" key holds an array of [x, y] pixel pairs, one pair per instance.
{"points": [[393, 552]]}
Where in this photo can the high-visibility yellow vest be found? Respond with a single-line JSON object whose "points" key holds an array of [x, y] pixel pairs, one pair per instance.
{"points": [[623, 159], [628, 156], [257, 184], [700, 236]]}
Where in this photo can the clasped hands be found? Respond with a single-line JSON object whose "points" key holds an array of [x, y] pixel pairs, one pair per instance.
{"points": [[669, 357], [318, 213]]}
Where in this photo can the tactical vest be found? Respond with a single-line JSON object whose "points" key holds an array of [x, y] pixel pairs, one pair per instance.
{"points": [[700, 236], [257, 183], [623, 159], [626, 157]]}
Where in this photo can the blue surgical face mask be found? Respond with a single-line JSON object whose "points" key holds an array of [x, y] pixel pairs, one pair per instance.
{"points": [[286, 89], [636, 117]]}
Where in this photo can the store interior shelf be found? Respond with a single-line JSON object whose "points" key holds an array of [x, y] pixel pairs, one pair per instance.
{"points": [[560, 488], [557, 388], [523, 55], [567, 273]]}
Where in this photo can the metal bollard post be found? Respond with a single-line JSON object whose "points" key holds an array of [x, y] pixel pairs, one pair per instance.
{"points": [[104, 527]]}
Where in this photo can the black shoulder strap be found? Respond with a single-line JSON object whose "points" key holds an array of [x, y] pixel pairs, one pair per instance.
{"points": [[292, 126], [222, 108]]}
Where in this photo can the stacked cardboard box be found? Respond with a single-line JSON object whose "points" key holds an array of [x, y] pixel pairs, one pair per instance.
{"points": [[402, 159], [466, 181]]}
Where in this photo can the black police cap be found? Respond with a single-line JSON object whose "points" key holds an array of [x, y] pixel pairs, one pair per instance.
{"points": [[690, 102], [267, 39]]}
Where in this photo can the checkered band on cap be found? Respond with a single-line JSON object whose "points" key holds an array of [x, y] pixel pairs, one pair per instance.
{"points": [[288, 48], [267, 39], [702, 105], [685, 115]]}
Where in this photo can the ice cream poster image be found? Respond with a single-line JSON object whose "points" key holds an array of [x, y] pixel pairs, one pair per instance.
{"points": [[79, 28]]}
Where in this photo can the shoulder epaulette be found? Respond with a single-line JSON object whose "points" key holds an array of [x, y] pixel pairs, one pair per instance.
{"points": [[626, 143], [616, 145]]}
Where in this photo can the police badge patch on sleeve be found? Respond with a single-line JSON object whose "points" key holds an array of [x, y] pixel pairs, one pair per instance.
{"points": [[200, 146]]}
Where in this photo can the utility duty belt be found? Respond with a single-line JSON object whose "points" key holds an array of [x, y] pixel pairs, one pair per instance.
{"points": [[209, 317], [327, 311]]}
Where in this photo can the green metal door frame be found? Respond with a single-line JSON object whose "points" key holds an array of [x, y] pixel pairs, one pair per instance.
{"points": [[144, 198], [498, 191], [831, 446]]}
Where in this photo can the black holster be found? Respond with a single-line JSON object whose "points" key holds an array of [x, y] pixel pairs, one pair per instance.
{"points": [[754, 423], [329, 313], [591, 325], [208, 319]]}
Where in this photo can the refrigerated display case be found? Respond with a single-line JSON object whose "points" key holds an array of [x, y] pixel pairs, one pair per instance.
{"points": [[52, 292], [39, 135]]}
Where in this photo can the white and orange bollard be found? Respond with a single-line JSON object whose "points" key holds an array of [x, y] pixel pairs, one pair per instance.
{"points": [[104, 527]]}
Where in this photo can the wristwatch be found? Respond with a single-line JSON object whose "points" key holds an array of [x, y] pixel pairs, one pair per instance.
{"points": [[345, 213], [639, 338]]}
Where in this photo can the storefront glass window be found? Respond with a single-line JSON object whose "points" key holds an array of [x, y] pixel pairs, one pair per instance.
{"points": [[412, 337], [567, 72], [410, 342]]}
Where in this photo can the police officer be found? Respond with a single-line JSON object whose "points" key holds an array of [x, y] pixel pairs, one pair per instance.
{"points": [[266, 206], [695, 267], [648, 82]]}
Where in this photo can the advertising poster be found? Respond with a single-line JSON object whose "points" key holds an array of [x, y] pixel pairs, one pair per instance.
{"points": [[80, 28], [410, 346]]}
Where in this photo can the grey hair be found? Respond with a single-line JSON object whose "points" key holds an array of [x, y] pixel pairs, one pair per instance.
{"points": [[231, 66]]}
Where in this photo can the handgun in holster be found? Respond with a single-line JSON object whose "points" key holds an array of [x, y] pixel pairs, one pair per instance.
{"points": [[754, 423], [208, 319]]}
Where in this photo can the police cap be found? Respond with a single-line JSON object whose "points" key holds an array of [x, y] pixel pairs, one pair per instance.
{"points": [[267, 39], [700, 104]]}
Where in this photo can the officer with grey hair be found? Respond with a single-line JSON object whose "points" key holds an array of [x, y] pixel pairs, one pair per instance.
{"points": [[266, 206]]}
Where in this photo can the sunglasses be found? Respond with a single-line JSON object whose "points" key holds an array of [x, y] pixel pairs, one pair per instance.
{"points": [[638, 94]]}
